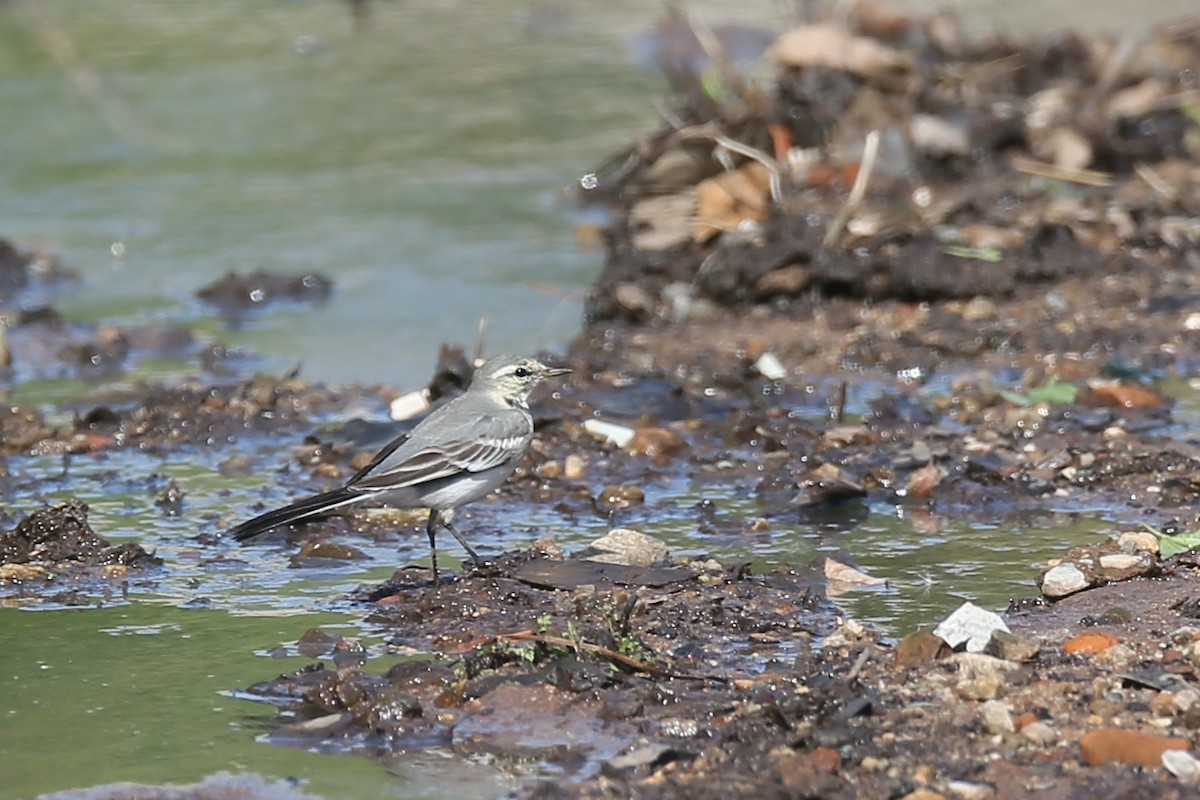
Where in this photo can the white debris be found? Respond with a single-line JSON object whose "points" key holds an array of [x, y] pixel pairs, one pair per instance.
{"points": [[971, 625], [620, 435], [769, 366], [410, 405]]}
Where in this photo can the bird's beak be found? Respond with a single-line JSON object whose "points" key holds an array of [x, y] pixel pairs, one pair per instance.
{"points": [[553, 372]]}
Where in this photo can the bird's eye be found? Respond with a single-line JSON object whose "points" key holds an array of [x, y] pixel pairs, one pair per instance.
{"points": [[521, 372]]}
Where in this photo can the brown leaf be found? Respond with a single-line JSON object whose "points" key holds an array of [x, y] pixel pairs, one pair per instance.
{"points": [[725, 201], [1124, 395], [832, 47]]}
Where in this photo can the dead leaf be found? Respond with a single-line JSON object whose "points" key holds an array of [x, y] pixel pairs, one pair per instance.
{"points": [[1137, 100], [1124, 395], [725, 201], [832, 47]]}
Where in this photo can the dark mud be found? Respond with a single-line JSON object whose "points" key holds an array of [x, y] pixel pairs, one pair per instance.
{"points": [[55, 551], [991, 324]]}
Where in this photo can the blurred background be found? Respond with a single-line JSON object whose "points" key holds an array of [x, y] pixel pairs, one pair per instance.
{"points": [[414, 152]]}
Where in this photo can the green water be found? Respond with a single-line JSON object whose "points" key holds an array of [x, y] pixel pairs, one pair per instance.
{"points": [[134, 693]]}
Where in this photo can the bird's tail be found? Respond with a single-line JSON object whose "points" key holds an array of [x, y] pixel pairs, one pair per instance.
{"points": [[318, 505]]}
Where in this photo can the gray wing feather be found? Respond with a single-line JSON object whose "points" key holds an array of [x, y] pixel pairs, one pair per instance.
{"points": [[477, 445]]}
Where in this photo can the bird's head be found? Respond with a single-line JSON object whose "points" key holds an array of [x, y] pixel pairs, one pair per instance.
{"points": [[513, 377]]}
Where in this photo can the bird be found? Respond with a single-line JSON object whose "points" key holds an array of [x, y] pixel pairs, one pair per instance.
{"points": [[454, 456]]}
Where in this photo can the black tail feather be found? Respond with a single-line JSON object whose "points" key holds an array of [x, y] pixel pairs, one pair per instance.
{"points": [[318, 505]]}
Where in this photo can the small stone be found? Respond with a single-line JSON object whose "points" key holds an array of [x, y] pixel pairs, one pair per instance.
{"points": [[1117, 746], [1120, 561], [1138, 542], [1090, 643], [1011, 647], [923, 794], [574, 467], [625, 546], [918, 648], [996, 717], [970, 625], [1062, 580], [1040, 733], [1182, 765], [1185, 699], [656, 443], [971, 791], [985, 687]]}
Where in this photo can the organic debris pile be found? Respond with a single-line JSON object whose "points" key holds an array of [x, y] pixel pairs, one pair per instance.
{"points": [[895, 158]]}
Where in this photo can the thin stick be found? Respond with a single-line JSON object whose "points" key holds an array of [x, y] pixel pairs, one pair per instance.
{"points": [[857, 192], [480, 336]]}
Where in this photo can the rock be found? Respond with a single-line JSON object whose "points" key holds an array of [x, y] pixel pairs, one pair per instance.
{"points": [[574, 467], [924, 794], [1117, 746], [1090, 643], [1062, 580], [1040, 733], [970, 625], [996, 717], [971, 791], [1182, 765], [656, 443], [1120, 561], [629, 547], [1138, 542], [918, 648], [980, 677], [1011, 647]]}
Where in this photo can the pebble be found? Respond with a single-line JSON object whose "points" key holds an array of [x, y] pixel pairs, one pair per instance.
{"points": [[1090, 643], [997, 718], [1040, 733], [1120, 561], [971, 791], [1118, 746], [574, 467], [1138, 542], [1182, 765], [1062, 580], [1011, 647]]}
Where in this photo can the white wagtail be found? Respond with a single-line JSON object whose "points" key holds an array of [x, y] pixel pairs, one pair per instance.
{"points": [[455, 456]]}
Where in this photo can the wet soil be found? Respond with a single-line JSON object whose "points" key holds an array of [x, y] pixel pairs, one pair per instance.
{"points": [[990, 326]]}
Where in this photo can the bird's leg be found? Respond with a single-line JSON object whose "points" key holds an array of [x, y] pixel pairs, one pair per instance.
{"points": [[431, 531], [474, 556]]}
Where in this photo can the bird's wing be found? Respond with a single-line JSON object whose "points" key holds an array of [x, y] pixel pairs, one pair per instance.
{"points": [[477, 445]]}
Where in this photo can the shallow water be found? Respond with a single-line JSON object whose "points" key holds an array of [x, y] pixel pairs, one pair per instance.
{"points": [[417, 162]]}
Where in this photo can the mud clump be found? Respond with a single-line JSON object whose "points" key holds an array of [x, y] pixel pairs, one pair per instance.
{"points": [[59, 537], [570, 677], [235, 293]]}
